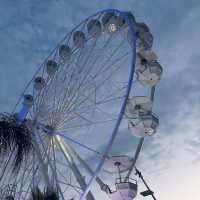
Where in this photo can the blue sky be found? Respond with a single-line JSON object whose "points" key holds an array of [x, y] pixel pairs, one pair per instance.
{"points": [[30, 29]]}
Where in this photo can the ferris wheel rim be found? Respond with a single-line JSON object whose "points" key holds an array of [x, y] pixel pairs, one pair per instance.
{"points": [[123, 104]]}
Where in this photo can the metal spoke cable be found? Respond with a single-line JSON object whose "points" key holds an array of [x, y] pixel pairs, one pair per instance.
{"points": [[80, 144]]}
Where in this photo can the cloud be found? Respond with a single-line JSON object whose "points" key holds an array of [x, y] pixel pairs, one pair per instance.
{"points": [[170, 160]]}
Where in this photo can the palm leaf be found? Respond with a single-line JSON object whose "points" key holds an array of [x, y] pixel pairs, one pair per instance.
{"points": [[36, 194], [14, 136], [51, 194], [48, 194], [10, 197]]}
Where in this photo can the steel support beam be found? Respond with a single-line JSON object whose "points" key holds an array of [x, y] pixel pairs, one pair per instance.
{"points": [[66, 152]]}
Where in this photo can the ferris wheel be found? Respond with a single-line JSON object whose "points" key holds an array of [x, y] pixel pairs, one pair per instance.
{"points": [[57, 141]]}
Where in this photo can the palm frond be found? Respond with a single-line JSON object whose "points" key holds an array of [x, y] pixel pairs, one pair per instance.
{"points": [[14, 136], [51, 194], [7, 192], [36, 194], [48, 194], [10, 197]]}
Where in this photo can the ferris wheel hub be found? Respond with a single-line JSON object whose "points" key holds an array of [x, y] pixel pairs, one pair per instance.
{"points": [[50, 130]]}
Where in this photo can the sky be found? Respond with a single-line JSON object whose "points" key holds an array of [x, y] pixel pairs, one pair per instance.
{"points": [[170, 160]]}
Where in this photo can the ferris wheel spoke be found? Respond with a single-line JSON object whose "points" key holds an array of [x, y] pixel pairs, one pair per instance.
{"points": [[80, 85], [82, 68], [103, 101], [70, 79], [55, 174], [23, 178], [111, 73], [22, 193], [82, 125], [67, 128], [40, 158], [96, 105], [87, 167], [107, 78], [6, 165], [73, 167], [80, 144], [47, 156], [74, 187], [104, 65], [55, 166], [67, 183], [87, 98], [83, 101], [93, 64]]}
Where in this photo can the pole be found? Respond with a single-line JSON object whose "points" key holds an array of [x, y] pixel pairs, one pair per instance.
{"points": [[102, 185], [153, 92], [73, 166], [139, 147]]}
